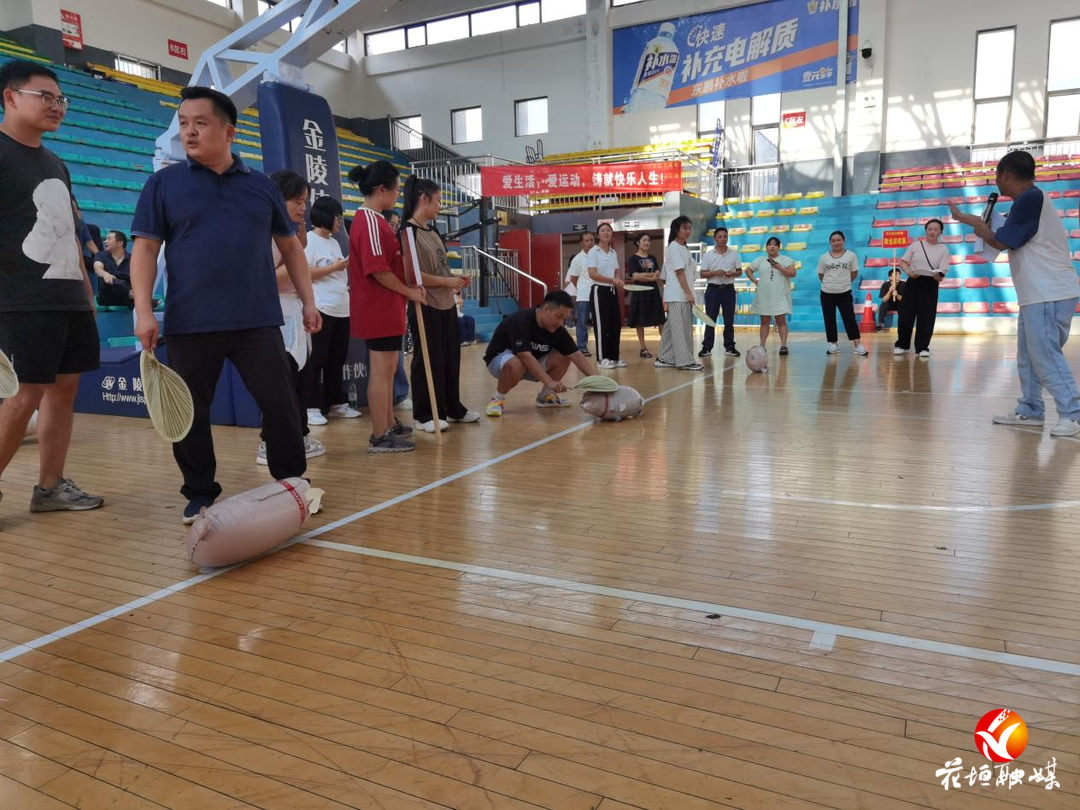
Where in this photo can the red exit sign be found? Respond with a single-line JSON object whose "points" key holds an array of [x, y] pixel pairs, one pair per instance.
{"points": [[895, 239], [178, 49]]}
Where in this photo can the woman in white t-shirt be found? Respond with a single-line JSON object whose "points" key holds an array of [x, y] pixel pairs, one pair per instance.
{"points": [[603, 268], [926, 262], [677, 341], [836, 269], [325, 396]]}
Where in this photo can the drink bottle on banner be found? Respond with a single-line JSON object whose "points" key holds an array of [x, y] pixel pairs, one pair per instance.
{"points": [[655, 72]]}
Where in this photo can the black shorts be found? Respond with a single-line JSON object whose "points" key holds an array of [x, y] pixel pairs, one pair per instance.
{"points": [[384, 344], [42, 345]]}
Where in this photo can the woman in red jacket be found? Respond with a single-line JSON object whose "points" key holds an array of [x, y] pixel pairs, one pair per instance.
{"points": [[378, 292]]}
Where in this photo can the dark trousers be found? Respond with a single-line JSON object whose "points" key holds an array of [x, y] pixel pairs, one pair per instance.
{"points": [[720, 297], [918, 311], [259, 355], [117, 294], [830, 303], [466, 329], [444, 348], [329, 348], [607, 322]]}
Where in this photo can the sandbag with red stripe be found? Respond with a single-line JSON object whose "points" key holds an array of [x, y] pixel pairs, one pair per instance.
{"points": [[251, 523], [626, 403]]}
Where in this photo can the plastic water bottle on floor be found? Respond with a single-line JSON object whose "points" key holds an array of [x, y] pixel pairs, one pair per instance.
{"points": [[353, 397], [655, 72]]}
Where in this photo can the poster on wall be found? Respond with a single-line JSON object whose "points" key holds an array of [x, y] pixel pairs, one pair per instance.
{"points": [[793, 119], [178, 49], [771, 47], [71, 29]]}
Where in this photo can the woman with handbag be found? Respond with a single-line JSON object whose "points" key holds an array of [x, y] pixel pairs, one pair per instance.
{"points": [[925, 262]]}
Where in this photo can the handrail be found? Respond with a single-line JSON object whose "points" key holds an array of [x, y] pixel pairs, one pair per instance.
{"points": [[499, 261]]}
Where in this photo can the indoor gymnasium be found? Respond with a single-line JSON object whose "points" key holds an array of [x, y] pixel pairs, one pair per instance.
{"points": [[571, 404]]}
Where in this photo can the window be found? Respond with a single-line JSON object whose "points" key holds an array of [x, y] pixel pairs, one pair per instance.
{"points": [[1063, 81], [765, 122], [528, 13], [708, 115], [497, 19], [386, 42], [561, 9], [466, 126], [137, 67], [342, 46], [993, 85], [448, 30], [417, 36], [624, 2], [531, 116]]}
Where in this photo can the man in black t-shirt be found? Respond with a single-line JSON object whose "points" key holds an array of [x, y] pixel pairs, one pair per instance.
{"points": [[532, 344], [47, 326]]}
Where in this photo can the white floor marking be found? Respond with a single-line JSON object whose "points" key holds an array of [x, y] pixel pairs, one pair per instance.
{"points": [[823, 631], [822, 641], [900, 507]]}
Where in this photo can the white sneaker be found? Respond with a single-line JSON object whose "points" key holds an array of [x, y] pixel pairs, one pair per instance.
{"points": [[925, 354], [1066, 427], [898, 351], [620, 364], [260, 455], [315, 417], [343, 411], [832, 349], [313, 448], [404, 405], [860, 351], [429, 427], [470, 416], [1015, 418], [607, 364]]}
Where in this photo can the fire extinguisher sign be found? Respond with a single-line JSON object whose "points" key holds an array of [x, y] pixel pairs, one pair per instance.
{"points": [[71, 29]]}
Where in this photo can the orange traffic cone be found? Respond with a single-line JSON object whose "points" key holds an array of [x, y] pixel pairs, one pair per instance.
{"points": [[867, 324]]}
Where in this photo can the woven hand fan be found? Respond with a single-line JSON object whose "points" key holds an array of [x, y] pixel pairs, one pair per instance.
{"points": [[9, 382], [167, 399], [699, 313], [637, 288], [597, 382]]}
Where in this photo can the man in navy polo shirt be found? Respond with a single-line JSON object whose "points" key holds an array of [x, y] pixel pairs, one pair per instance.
{"points": [[112, 267], [217, 219]]}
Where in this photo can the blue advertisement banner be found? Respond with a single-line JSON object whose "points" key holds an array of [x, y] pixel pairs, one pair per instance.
{"points": [[771, 47]]}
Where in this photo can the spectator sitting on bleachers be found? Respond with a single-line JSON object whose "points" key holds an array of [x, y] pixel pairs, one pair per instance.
{"points": [[112, 267], [466, 323], [890, 299]]}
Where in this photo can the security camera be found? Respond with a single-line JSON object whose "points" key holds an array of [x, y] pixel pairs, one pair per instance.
{"points": [[866, 51]]}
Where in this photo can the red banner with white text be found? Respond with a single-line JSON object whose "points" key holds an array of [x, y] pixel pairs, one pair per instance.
{"points": [[586, 178]]}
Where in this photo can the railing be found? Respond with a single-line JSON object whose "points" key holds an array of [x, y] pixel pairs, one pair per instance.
{"points": [[752, 181], [415, 145], [991, 154], [505, 278], [462, 176]]}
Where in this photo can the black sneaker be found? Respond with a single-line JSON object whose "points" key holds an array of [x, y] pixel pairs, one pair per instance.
{"points": [[586, 353], [400, 430], [704, 353], [389, 442], [783, 350], [732, 352], [195, 506]]}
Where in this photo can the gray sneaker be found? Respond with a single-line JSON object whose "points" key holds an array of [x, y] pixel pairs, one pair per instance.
{"points": [[65, 496], [389, 442]]}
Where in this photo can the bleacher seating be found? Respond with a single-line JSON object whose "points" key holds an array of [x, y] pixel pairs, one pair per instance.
{"points": [[107, 141]]}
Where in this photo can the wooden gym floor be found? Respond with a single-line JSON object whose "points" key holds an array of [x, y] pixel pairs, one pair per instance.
{"points": [[799, 589]]}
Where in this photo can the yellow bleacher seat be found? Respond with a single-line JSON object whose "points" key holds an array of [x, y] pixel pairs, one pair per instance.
{"points": [[815, 195], [798, 266], [771, 198], [796, 246], [750, 249], [766, 212], [797, 195], [731, 200], [808, 211], [802, 227], [739, 231], [786, 212], [759, 229], [780, 228], [744, 215], [750, 200], [246, 142]]}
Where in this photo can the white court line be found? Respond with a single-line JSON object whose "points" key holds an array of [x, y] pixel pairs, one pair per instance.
{"points": [[898, 507], [823, 632], [818, 627]]}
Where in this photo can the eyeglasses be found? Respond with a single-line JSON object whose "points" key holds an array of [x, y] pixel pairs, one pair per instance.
{"points": [[48, 99]]}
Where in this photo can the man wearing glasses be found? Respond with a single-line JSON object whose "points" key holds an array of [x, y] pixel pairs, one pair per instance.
{"points": [[47, 326]]}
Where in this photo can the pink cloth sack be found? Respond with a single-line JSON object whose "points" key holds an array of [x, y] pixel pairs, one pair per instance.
{"points": [[626, 403], [251, 523]]}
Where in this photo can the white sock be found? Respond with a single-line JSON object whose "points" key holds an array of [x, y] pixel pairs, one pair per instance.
{"points": [[544, 391], [498, 395]]}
